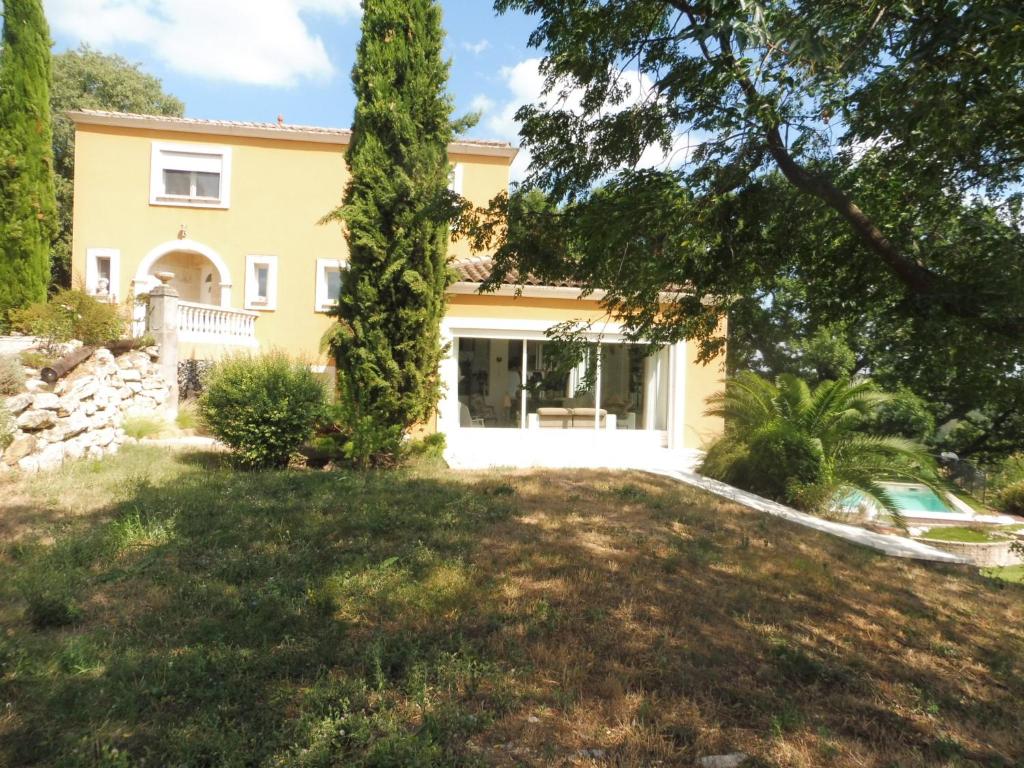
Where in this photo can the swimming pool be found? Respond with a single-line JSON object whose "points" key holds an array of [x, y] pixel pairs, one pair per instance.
{"points": [[910, 499]]}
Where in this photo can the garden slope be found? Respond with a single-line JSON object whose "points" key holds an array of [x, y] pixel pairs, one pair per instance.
{"points": [[189, 614]]}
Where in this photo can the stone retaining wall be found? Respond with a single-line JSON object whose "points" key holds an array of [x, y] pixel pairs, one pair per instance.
{"points": [[987, 554], [83, 414]]}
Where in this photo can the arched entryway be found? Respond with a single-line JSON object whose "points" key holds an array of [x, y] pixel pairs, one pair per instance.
{"points": [[200, 274]]}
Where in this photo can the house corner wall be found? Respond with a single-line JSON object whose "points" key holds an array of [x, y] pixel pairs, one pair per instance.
{"points": [[701, 381]]}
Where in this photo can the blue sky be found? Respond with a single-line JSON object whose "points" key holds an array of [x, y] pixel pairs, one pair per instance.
{"points": [[256, 59]]}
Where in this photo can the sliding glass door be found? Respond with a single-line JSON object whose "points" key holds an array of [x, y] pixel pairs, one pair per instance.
{"points": [[519, 383]]}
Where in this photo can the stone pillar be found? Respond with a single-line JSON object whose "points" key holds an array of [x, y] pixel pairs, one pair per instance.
{"points": [[163, 327]]}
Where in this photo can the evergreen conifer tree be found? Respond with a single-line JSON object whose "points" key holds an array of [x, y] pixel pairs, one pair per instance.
{"points": [[396, 212], [28, 219]]}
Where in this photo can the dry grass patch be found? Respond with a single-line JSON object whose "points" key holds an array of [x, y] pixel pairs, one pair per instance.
{"points": [[169, 610]]}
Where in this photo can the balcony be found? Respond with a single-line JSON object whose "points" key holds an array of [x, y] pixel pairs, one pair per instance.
{"points": [[207, 324]]}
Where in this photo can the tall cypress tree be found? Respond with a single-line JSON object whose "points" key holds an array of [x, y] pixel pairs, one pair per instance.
{"points": [[396, 212], [28, 220]]}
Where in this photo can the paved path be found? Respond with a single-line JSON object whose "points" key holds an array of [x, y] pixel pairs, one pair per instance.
{"points": [[896, 546]]}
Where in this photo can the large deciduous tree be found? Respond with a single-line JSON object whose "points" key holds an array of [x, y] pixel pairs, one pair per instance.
{"points": [[87, 79], [932, 88], [27, 207], [870, 153], [396, 213]]}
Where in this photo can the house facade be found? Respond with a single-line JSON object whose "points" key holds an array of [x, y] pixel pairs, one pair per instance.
{"points": [[231, 210]]}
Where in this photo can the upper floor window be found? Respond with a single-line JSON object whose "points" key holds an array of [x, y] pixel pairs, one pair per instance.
{"points": [[197, 175], [455, 174]]}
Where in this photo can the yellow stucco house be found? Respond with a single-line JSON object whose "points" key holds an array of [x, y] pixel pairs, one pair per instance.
{"points": [[232, 210]]}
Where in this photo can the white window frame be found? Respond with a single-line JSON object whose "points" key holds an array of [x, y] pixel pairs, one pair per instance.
{"points": [[457, 174], [158, 163], [321, 303], [252, 300], [92, 270]]}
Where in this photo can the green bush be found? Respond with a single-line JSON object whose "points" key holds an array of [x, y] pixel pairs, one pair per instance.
{"points": [[263, 407], [371, 444], [428, 447], [1011, 499], [71, 314], [777, 465], [12, 375], [1009, 472]]}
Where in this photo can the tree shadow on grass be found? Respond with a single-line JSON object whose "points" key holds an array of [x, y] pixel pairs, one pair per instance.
{"points": [[404, 618]]}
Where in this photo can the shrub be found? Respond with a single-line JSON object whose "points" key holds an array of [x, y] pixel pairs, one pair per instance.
{"points": [[71, 314], [1011, 499], [12, 375], [1009, 472], [808, 447], [372, 444], [263, 407], [427, 447], [776, 465]]}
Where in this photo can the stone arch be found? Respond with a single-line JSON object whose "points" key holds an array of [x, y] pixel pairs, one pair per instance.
{"points": [[145, 280]]}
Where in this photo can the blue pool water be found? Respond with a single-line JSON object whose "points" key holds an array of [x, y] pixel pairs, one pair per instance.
{"points": [[909, 499]]}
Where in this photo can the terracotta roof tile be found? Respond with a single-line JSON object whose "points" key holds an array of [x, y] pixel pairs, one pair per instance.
{"points": [[479, 269]]}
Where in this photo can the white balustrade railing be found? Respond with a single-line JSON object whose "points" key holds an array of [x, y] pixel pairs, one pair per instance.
{"points": [[216, 325]]}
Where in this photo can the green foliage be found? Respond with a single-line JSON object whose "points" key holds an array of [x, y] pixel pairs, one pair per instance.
{"points": [[49, 597], [141, 427], [12, 374], [188, 416], [6, 428], [1010, 470], [427, 447], [87, 79], [396, 212], [263, 407], [1011, 498], [28, 215], [806, 446], [778, 464], [904, 414], [36, 359], [71, 314], [826, 208]]}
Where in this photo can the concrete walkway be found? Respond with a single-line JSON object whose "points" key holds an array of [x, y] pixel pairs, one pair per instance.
{"points": [[895, 546]]}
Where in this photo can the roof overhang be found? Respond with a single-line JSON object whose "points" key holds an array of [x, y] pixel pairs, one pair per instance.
{"points": [[528, 291], [285, 132]]}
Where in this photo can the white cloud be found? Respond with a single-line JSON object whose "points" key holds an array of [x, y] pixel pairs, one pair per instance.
{"points": [[478, 47], [481, 103], [525, 84], [256, 42]]}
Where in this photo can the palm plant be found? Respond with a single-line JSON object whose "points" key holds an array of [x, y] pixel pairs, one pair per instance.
{"points": [[808, 447]]}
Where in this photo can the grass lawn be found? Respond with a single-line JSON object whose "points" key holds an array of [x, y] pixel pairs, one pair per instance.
{"points": [[962, 534], [164, 610], [1011, 573]]}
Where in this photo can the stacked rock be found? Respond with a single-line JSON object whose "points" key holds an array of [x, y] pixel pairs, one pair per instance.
{"points": [[82, 415]]}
